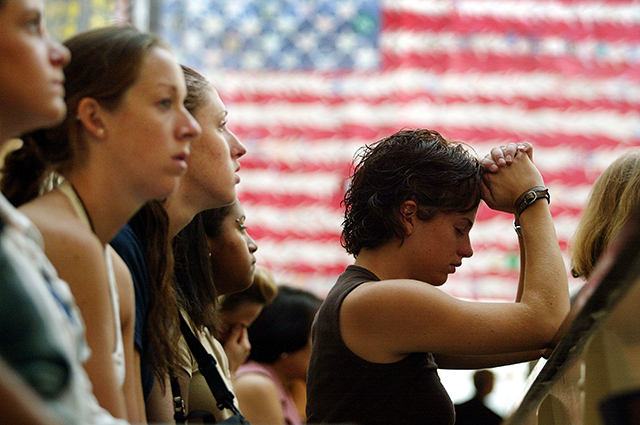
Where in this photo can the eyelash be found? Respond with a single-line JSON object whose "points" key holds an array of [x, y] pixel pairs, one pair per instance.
{"points": [[165, 103]]}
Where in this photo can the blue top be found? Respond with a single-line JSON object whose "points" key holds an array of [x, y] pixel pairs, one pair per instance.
{"points": [[128, 244]]}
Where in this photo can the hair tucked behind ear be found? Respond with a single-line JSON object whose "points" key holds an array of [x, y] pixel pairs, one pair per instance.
{"points": [[106, 63]]}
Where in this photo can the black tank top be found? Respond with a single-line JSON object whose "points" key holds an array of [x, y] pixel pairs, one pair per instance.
{"points": [[344, 388]]}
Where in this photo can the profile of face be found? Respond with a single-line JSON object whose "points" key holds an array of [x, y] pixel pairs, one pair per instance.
{"points": [[148, 135], [232, 253], [440, 244], [31, 69], [215, 155]]}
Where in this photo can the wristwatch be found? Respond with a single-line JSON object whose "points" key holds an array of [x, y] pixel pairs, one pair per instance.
{"points": [[529, 197]]}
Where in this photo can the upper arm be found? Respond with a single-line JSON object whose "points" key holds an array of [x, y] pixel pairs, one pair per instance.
{"points": [[79, 260], [384, 321], [258, 399]]}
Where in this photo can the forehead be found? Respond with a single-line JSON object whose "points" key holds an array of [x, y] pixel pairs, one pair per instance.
{"points": [[468, 216], [212, 108], [19, 7], [159, 68]]}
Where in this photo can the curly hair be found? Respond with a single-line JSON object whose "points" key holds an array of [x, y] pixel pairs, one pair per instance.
{"points": [[614, 197], [418, 165]]}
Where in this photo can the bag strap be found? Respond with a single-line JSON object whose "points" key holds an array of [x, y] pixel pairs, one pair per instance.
{"points": [[207, 365], [178, 403]]}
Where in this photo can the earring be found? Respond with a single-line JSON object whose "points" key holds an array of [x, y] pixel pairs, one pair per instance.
{"points": [[100, 132]]}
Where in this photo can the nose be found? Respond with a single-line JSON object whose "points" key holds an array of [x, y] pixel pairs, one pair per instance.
{"points": [[253, 246], [465, 250], [236, 147], [188, 127], [59, 55]]}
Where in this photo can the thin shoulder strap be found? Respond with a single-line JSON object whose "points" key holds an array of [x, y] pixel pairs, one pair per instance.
{"points": [[207, 365]]}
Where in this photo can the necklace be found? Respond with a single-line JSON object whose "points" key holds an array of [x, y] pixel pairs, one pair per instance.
{"points": [[86, 212]]}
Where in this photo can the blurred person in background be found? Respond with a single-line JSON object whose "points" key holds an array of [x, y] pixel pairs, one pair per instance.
{"points": [[280, 348], [474, 411]]}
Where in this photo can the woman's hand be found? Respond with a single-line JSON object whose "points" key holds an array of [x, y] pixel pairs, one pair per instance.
{"points": [[502, 187], [504, 155], [237, 347]]}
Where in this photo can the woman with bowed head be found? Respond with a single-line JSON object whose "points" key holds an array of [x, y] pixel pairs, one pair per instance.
{"points": [[124, 141], [385, 327], [145, 242], [239, 310]]}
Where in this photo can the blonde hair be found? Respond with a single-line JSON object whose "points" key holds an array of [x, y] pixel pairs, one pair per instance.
{"points": [[263, 290], [613, 198]]}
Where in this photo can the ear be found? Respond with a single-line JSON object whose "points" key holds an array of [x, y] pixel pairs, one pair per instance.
{"points": [[89, 114], [408, 211]]}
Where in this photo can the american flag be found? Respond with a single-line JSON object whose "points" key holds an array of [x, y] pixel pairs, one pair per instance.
{"points": [[308, 82]]}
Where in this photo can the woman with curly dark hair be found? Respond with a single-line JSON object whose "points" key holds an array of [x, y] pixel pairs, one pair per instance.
{"points": [[409, 209]]}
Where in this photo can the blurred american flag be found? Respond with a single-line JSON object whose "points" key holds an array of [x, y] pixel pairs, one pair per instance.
{"points": [[308, 82]]}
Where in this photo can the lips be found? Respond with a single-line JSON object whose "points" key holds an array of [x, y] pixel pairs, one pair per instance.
{"points": [[182, 156]]}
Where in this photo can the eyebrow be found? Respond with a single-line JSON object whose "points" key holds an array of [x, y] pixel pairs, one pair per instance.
{"points": [[168, 85]]}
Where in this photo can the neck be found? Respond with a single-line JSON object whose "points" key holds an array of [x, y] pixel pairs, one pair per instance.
{"points": [[180, 214], [283, 376], [384, 261], [183, 204], [107, 217]]}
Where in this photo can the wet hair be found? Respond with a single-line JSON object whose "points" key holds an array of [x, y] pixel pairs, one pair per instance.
{"points": [[613, 198], [193, 275], [419, 165], [284, 326], [262, 291], [106, 63]]}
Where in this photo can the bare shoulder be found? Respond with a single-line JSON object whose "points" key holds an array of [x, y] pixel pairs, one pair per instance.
{"points": [[255, 384], [377, 318], [73, 249], [372, 298], [60, 227]]}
